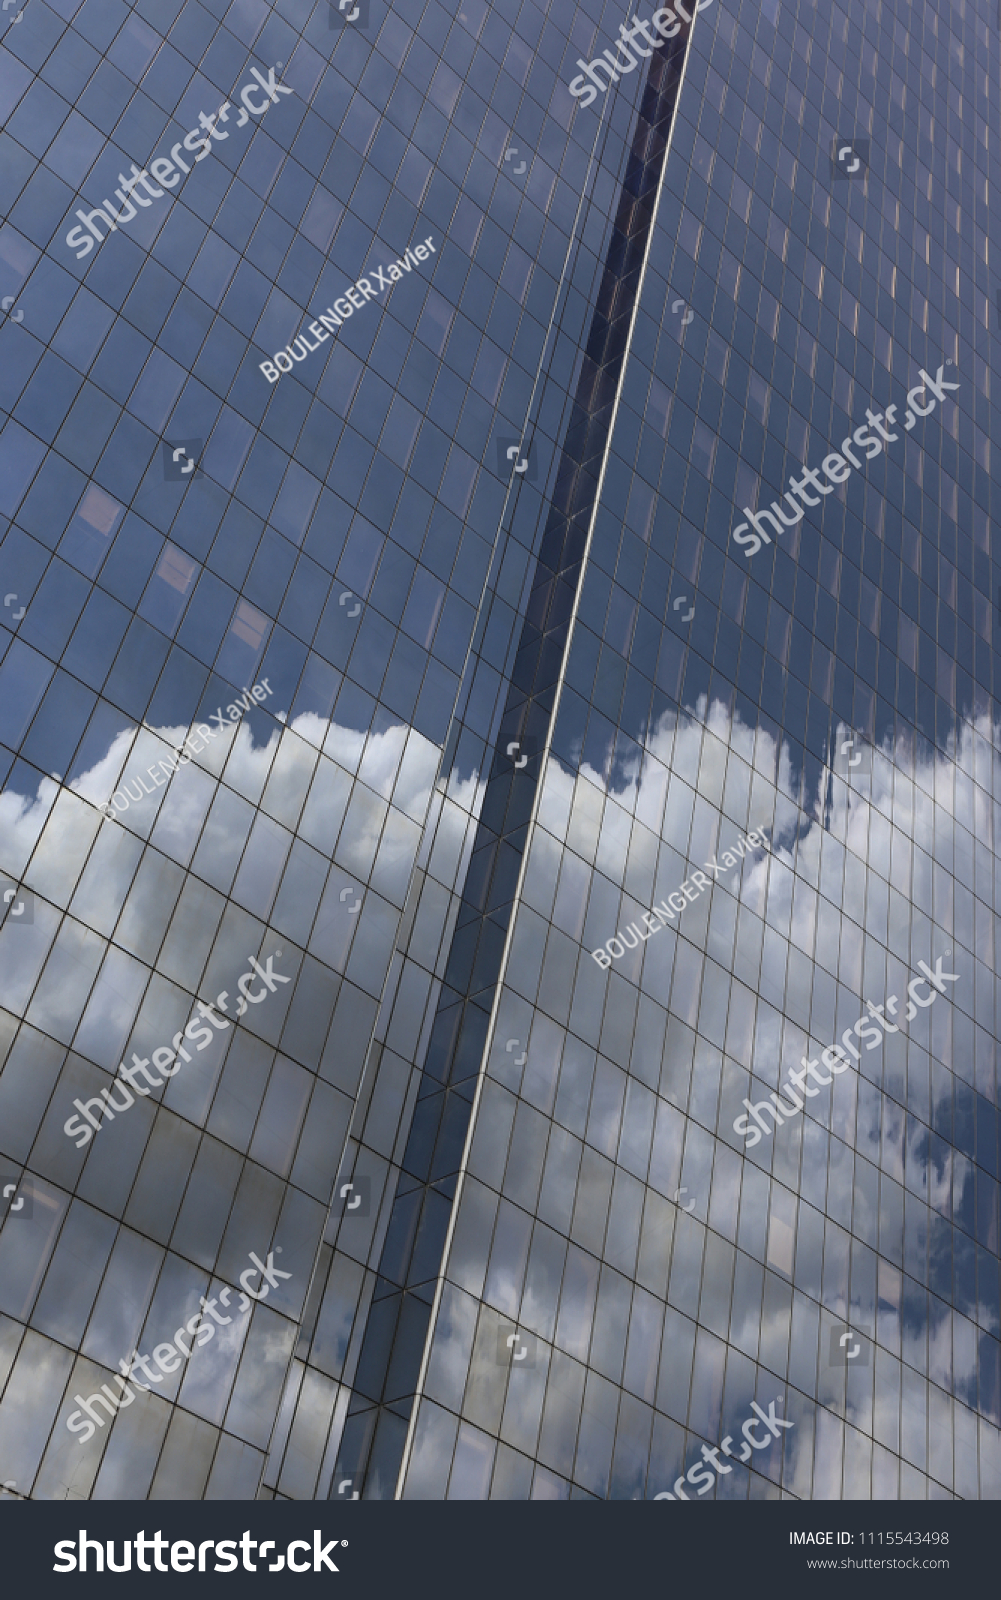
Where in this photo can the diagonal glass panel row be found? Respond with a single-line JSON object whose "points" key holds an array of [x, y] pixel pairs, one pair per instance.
{"points": [[393, 1344]]}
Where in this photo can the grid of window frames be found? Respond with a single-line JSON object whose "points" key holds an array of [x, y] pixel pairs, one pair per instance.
{"points": [[660, 1277], [649, 1324], [333, 546]]}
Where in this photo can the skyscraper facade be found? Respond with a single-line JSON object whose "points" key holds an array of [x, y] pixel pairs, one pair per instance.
{"points": [[497, 709]]}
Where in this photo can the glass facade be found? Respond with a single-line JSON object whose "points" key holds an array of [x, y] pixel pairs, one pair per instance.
{"points": [[499, 789]]}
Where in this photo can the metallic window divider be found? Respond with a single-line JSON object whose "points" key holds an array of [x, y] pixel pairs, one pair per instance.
{"points": [[378, 1432]]}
